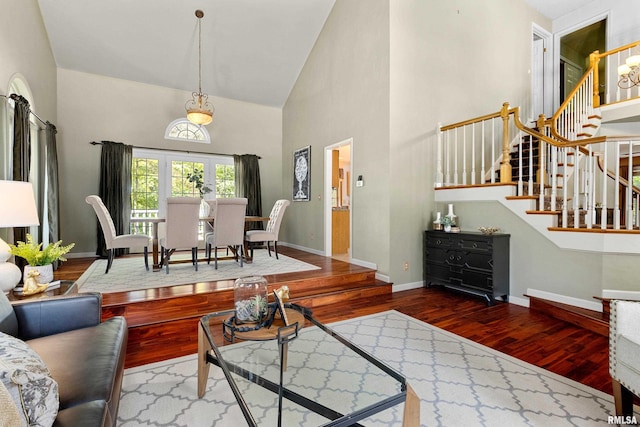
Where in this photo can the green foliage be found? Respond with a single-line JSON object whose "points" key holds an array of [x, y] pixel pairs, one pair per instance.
{"points": [[196, 177], [34, 255], [446, 220]]}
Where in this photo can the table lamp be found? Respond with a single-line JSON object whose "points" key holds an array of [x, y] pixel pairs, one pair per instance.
{"points": [[17, 209]]}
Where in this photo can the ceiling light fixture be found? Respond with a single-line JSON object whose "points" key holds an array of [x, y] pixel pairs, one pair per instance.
{"points": [[199, 109], [629, 72]]}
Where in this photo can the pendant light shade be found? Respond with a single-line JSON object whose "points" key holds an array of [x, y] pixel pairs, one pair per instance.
{"points": [[199, 109]]}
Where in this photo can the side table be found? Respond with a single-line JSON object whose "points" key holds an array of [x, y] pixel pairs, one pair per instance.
{"points": [[67, 287]]}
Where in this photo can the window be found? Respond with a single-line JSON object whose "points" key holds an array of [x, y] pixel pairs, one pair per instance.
{"points": [[158, 174], [183, 130], [225, 181]]}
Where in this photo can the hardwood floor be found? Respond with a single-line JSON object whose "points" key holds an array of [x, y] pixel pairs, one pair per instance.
{"points": [[558, 346]]}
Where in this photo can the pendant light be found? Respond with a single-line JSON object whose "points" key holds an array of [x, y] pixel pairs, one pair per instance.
{"points": [[199, 109]]}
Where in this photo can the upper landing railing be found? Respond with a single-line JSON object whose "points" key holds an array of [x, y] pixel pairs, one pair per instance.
{"points": [[569, 178]]}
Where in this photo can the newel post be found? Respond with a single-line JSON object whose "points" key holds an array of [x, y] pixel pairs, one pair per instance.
{"points": [[594, 59], [505, 165]]}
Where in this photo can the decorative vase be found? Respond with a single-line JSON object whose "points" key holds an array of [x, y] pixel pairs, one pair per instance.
{"points": [[46, 273], [205, 208], [447, 228], [453, 216], [250, 295], [437, 225]]}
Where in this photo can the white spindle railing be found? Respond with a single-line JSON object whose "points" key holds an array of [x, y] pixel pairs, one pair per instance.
{"points": [[574, 178]]}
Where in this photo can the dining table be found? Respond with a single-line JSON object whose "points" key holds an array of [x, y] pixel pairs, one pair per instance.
{"points": [[210, 220]]}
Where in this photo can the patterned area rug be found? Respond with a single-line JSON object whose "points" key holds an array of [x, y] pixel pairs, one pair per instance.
{"points": [[128, 274], [459, 382]]}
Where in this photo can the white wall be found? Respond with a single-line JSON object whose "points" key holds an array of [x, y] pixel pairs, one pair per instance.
{"points": [[96, 108]]}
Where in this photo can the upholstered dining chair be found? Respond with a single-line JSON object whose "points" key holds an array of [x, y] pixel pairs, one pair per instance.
{"points": [[112, 240], [270, 234], [181, 229], [624, 354], [228, 227]]}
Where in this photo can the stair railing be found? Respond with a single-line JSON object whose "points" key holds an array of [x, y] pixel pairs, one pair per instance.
{"points": [[469, 152], [612, 60]]}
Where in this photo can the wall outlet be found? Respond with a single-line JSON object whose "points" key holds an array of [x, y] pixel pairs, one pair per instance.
{"points": [[406, 266]]}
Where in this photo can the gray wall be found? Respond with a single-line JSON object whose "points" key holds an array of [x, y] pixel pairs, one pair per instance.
{"points": [[385, 73]]}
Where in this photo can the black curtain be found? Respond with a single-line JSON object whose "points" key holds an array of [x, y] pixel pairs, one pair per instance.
{"points": [[115, 189], [21, 157], [53, 189], [247, 180]]}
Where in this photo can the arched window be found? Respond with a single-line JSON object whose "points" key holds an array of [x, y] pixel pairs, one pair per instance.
{"points": [[183, 130]]}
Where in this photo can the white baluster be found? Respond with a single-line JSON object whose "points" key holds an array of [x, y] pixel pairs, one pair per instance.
{"points": [[616, 193], [629, 213], [439, 179], [482, 169]]}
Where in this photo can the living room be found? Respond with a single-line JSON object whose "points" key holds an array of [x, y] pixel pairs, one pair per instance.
{"points": [[383, 73]]}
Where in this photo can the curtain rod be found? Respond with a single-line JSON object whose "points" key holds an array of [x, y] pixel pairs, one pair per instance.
{"points": [[180, 151], [44, 122]]}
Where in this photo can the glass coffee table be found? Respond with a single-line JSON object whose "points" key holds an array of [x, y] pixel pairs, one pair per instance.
{"points": [[292, 375]]}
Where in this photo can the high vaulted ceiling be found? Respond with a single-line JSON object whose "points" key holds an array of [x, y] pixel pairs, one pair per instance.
{"points": [[252, 50]]}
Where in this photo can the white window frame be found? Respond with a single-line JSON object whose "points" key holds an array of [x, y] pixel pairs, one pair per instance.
{"points": [[205, 132], [164, 170]]}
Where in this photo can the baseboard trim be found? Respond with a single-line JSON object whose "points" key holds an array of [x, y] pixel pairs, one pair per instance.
{"points": [[563, 299], [616, 294], [407, 286], [524, 302], [302, 248]]}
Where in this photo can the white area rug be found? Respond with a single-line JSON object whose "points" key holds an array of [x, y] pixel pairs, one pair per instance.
{"points": [[459, 382], [128, 274]]}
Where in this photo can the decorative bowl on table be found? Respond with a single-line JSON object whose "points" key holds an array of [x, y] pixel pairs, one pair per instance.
{"points": [[488, 230]]}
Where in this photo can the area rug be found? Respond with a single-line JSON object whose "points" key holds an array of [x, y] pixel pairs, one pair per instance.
{"points": [[459, 383], [128, 274]]}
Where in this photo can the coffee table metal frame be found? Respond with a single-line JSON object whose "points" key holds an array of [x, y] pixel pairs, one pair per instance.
{"points": [[209, 353]]}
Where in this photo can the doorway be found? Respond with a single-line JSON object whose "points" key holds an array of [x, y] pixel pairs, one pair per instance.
{"points": [[338, 205], [541, 73], [575, 46]]}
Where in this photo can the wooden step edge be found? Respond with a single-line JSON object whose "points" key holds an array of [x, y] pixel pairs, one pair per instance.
{"points": [[593, 230], [568, 164], [488, 184], [533, 197], [544, 212], [588, 319], [589, 125], [595, 116], [329, 298]]}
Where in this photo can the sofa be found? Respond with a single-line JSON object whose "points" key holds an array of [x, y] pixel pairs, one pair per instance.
{"points": [[57, 356]]}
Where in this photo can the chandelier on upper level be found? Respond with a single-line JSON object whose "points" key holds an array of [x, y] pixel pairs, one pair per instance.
{"points": [[199, 109], [629, 72]]}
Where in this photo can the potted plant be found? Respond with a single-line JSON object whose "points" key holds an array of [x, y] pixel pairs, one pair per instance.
{"points": [[38, 258], [196, 177], [447, 222]]}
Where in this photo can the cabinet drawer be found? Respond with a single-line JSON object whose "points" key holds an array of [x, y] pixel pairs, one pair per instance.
{"points": [[476, 244], [438, 274], [476, 279], [436, 241], [438, 255]]}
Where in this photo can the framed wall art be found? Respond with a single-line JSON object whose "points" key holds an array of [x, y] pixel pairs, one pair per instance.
{"points": [[302, 174]]}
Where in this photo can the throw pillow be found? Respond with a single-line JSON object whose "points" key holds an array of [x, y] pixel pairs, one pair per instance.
{"points": [[9, 416], [27, 379]]}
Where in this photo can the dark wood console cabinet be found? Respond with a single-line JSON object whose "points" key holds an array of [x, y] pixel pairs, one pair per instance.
{"points": [[469, 262]]}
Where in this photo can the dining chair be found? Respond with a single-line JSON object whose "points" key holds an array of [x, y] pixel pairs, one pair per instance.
{"points": [[111, 239], [181, 229], [270, 234], [228, 227]]}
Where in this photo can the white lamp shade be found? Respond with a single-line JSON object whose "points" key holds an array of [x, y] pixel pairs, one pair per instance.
{"points": [[633, 61], [623, 70], [17, 204]]}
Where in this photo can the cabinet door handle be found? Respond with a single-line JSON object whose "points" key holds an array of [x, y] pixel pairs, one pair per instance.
{"points": [[475, 245], [438, 242]]}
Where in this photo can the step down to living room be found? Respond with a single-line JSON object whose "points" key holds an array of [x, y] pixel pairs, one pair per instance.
{"points": [[162, 322]]}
